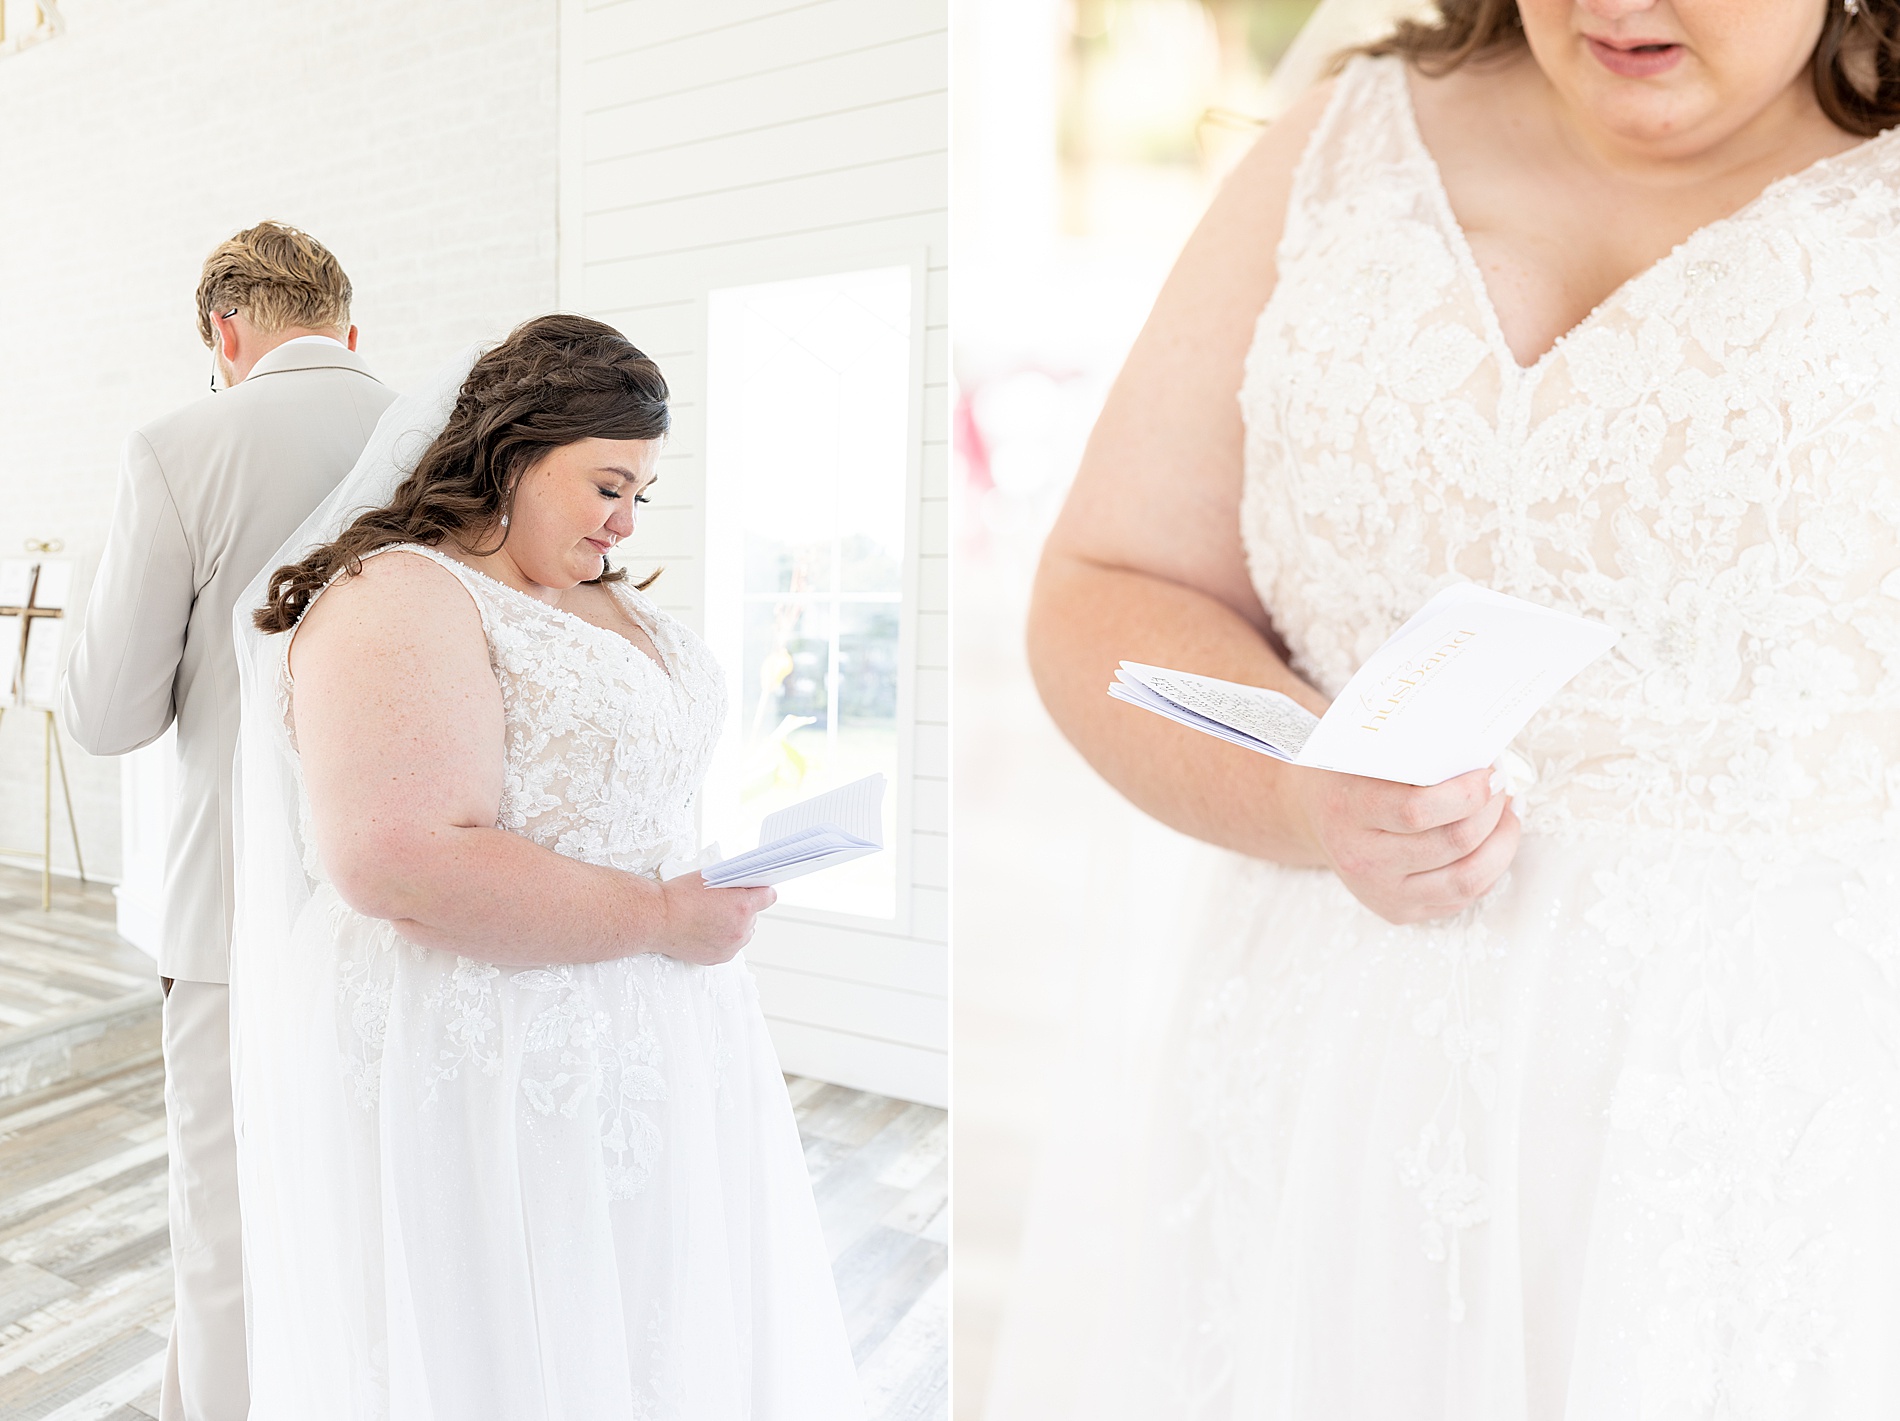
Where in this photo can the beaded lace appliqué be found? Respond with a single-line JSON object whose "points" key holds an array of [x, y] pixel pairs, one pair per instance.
{"points": [[1710, 463], [604, 750], [1706, 463]]}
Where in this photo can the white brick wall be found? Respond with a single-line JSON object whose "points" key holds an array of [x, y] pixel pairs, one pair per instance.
{"points": [[735, 141], [417, 140]]}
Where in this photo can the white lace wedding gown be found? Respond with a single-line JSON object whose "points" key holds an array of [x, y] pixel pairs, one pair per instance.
{"points": [[547, 1194], [1624, 1142]]}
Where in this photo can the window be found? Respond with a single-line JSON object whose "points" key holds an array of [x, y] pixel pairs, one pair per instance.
{"points": [[808, 463]]}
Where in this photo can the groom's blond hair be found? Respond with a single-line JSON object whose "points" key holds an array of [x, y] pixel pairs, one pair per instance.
{"points": [[276, 277]]}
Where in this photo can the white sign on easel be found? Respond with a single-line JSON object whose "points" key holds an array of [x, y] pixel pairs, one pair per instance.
{"points": [[32, 607]]}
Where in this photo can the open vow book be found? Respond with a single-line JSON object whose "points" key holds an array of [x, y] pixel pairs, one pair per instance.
{"points": [[819, 832], [1444, 695]]}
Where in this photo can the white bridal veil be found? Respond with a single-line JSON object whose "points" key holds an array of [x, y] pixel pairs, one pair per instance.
{"points": [[1337, 25], [277, 1019]]}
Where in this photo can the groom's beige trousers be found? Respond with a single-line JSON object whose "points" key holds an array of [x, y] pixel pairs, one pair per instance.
{"points": [[206, 1378]]}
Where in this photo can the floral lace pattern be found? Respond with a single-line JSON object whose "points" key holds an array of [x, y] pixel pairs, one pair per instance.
{"points": [[1710, 463], [1437, 1170], [562, 1189], [585, 1063], [1705, 463], [605, 749]]}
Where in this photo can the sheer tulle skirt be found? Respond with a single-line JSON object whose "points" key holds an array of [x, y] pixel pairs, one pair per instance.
{"points": [[567, 1193], [1621, 1144]]}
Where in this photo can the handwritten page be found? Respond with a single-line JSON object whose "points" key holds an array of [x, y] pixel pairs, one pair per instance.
{"points": [[1249, 716], [814, 834], [1445, 694]]}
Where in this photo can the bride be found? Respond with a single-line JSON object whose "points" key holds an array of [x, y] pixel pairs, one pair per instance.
{"points": [[1583, 1104], [513, 1139]]}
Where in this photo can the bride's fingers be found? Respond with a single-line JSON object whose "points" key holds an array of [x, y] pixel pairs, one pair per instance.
{"points": [[1446, 890], [1411, 809], [1445, 845]]}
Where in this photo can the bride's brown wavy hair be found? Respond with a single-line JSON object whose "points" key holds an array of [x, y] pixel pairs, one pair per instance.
{"points": [[555, 380], [1855, 67]]}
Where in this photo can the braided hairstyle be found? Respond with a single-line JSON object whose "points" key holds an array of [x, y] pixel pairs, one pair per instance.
{"points": [[1855, 67], [555, 380]]}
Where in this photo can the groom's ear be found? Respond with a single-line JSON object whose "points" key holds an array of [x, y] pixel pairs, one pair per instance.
{"points": [[350, 341]]}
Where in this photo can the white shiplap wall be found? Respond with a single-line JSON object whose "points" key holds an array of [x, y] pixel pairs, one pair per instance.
{"points": [[416, 140], [738, 141]]}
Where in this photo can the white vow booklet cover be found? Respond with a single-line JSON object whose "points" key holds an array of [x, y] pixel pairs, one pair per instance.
{"points": [[815, 833], [1445, 694]]}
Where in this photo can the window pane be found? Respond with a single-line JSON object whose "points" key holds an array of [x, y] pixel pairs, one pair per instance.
{"points": [[787, 665], [867, 664], [777, 564]]}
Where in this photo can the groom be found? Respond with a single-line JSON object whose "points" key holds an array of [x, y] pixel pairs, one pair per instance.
{"points": [[206, 495]]}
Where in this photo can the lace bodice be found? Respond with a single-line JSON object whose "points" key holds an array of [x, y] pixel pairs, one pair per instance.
{"points": [[587, 1171], [1709, 462], [605, 748]]}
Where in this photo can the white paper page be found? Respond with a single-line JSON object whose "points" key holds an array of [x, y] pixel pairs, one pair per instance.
{"points": [[818, 833], [9, 660], [856, 808], [1267, 716], [806, 843], [1136, 694], [56, 583], [1448, 691], [16, 580], [39, 684], [782, 872]]}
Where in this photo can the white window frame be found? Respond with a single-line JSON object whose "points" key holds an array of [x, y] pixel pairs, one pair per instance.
{"points": [[720, 568]]}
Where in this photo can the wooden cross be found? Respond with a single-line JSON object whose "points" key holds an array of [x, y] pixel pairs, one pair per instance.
{"points": [[26, 614]]}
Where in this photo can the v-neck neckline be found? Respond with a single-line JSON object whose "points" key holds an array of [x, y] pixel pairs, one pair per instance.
{"points": [[659, 661], [1467, 259]]}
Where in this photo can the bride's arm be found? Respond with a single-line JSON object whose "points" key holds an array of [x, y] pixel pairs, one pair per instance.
{"points": [[1145, 564], [1145, 561], [399, 726]]}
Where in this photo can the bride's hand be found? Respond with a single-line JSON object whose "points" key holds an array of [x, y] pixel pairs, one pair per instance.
{"points": [[1411, 854], [709, 925]]}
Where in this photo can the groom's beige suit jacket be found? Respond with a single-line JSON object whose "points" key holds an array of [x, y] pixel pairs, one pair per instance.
{"points": [[206, 495]]}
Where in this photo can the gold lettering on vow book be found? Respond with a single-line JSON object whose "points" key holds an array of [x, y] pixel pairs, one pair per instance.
{"points": [[1399, 689]]}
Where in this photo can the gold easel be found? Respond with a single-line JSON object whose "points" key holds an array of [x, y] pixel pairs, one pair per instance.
{"points": [[28, 613]]}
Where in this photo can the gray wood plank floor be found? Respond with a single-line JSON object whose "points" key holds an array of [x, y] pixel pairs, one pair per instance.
{"points": [[85, 1268], [54, 964]]}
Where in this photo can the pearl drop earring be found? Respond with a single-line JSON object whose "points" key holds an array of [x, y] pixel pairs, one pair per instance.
{"points": [[1851, 6], [504, 520]]}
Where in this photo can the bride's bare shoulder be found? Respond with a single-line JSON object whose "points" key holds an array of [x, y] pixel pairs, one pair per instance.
{"points": [[1284, 140], [398, 602], [398, 580]]}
